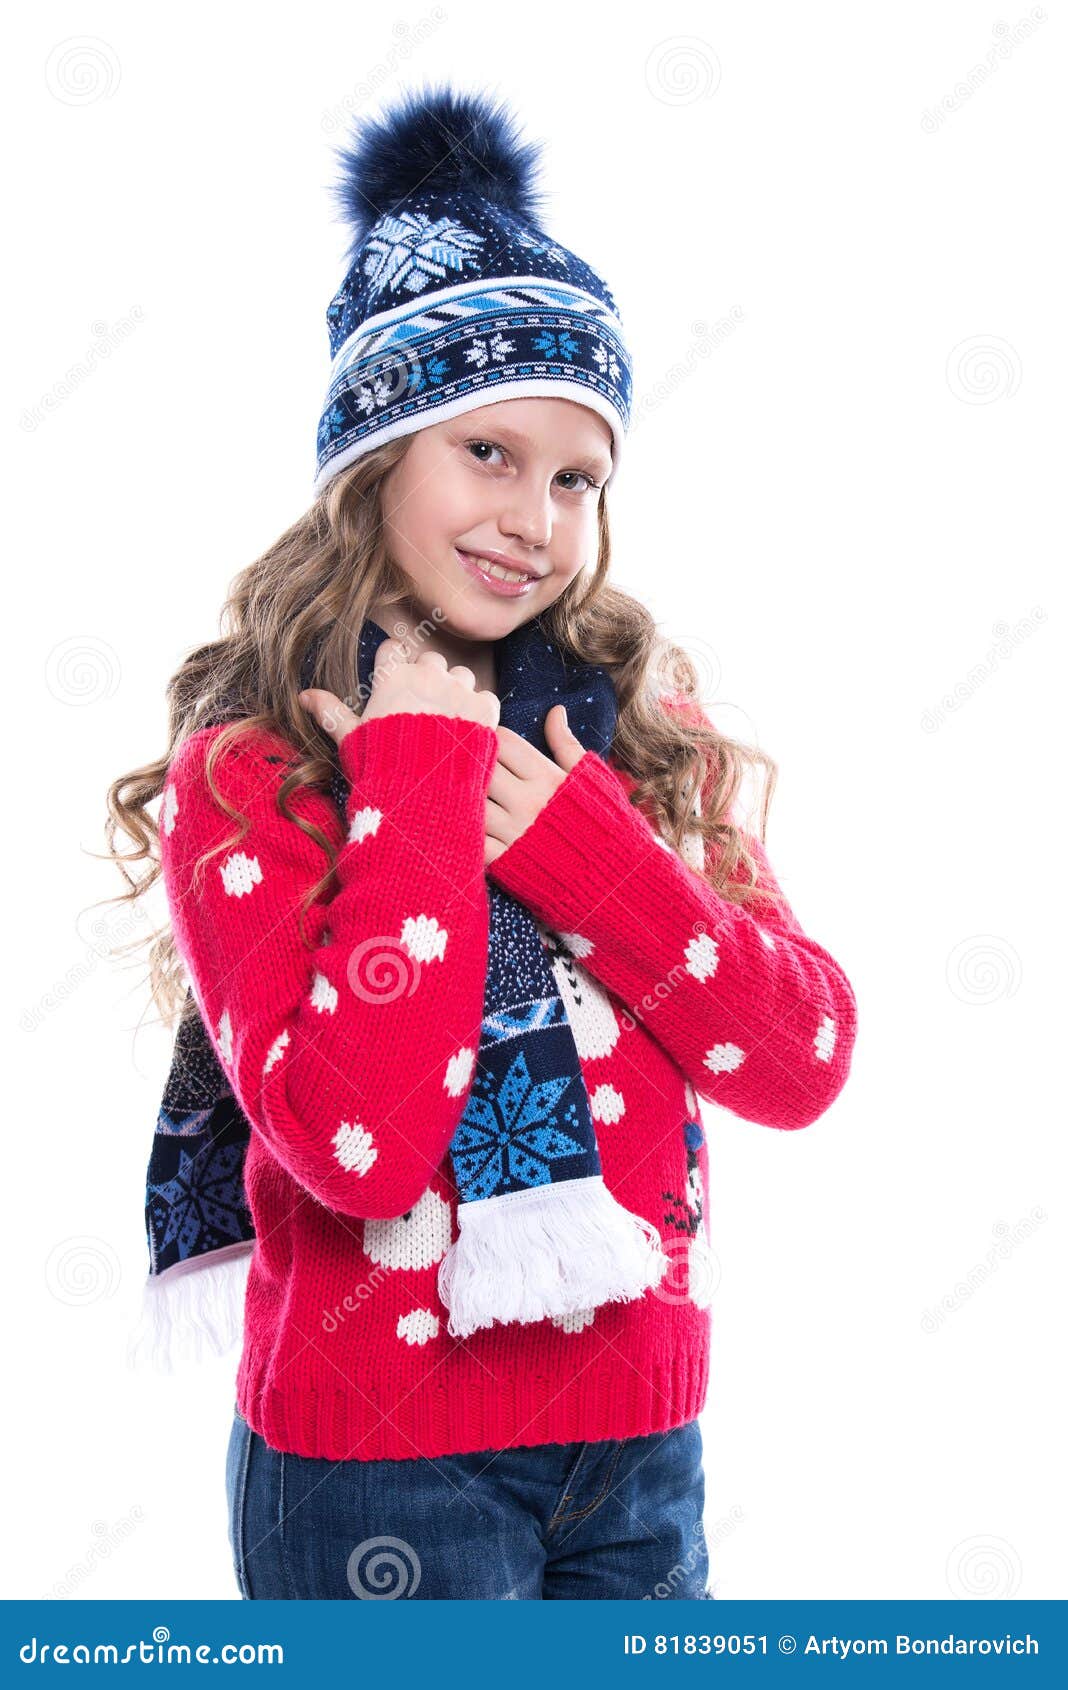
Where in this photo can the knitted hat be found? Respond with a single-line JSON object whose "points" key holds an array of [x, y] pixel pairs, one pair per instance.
{"points": [[454, 296]]}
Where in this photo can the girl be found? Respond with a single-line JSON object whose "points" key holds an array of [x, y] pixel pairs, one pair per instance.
{"points": [[468, 927]]}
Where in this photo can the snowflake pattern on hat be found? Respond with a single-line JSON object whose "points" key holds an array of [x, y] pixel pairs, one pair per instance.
{"points": [[455, 296]]}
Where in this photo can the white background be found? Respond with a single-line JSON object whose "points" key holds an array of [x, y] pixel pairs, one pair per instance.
{"points": [[842, 494]]}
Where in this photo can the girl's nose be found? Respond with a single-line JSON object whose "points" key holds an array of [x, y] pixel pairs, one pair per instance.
{"points": [[526, 517]]}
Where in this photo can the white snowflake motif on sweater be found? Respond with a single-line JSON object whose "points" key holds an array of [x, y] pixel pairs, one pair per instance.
{"points": [[577, 1322], [423, 937], [364, 824], [724, 1059], [824, 1041], [354, 1148], [275, 1053], [323, 995], [458, 1073], [168, 809], [418, 1326], [417, 1239], [240, 874], [702, 957], [225, 1035], [607, 1104]]}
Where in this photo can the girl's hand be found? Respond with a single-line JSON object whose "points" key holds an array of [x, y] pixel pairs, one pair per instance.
{"points": [[523, 780], [426, 686]]}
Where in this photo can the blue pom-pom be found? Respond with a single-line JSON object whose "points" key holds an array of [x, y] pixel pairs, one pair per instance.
{"points": [[437, 140]]}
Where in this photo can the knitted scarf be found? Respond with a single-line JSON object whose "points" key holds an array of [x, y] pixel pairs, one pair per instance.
{"points": [[539, 1233]]}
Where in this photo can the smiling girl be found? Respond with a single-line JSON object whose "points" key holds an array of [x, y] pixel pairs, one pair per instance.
{"points": [[465, 927]]}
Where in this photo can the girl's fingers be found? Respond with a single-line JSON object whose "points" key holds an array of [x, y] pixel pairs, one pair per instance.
{"points": [[505, 787], [497, 823], [391, 654], [332, 715], [517, 754]]}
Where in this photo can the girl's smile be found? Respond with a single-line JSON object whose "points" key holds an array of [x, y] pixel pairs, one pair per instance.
{"points": [[510, 583]]}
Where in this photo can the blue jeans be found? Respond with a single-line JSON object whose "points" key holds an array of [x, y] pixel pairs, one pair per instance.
{"points": [[619, 1518]]}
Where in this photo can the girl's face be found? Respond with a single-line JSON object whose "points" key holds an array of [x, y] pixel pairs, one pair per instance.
{"points": [[520, 477]]}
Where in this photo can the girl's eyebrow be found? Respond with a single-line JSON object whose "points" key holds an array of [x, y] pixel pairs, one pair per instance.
{"points": [[595, 459]]}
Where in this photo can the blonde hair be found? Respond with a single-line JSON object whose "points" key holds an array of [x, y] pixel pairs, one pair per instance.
{"points": [[321, 578]]}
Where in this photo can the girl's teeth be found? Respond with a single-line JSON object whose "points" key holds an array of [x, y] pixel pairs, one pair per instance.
{"points": [[497, 570]]}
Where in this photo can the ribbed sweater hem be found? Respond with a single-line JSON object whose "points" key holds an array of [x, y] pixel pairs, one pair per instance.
{"points": [[524, 1410]]}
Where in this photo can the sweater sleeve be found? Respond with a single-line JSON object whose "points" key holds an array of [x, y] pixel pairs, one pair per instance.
{"points": [[352, 1058], [758, 1016]]}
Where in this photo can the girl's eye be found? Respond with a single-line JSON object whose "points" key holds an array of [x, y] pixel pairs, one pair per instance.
{"points": [[591, 485], [488, 443]]}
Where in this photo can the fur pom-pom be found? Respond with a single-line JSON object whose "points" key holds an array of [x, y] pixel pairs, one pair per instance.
{"points": [[440, 140]]}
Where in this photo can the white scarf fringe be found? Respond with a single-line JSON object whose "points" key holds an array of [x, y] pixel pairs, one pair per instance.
{"points": [[194, 1305], [554, 1249]]}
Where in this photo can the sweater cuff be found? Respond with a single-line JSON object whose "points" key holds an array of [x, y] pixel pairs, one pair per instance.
{"points": [[581, 847], [410, 759]]}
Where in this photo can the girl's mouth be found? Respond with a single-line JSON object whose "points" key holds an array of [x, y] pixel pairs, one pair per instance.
{"points": [[493, 577]]}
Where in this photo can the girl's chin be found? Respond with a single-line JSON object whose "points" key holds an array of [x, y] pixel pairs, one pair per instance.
{"points": [[478, 614]]}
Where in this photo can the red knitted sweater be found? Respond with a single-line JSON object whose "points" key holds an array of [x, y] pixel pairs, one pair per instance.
{"points": [[353, 1059]]}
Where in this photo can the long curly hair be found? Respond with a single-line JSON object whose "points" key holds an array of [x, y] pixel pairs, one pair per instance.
{"points": [[320, 578]]}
